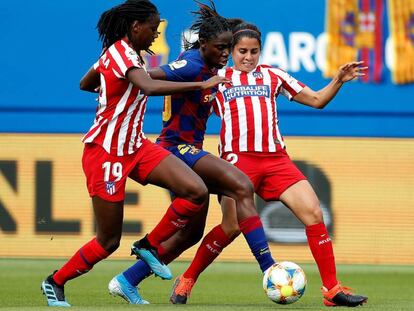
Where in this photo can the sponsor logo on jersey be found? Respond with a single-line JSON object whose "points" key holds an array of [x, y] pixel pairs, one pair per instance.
{"points": [[178, 64], [209, 97], [110, 187], [246, 91]]}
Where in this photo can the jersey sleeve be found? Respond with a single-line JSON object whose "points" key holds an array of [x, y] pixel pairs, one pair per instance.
{"points": [[182, 70], [96, 65], [124, 58], [290, 86]]}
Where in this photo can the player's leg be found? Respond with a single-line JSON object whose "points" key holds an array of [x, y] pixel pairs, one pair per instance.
{"points": [[128, 280], [171, 173], [108, 209], [191, 197], [185, 238], [176, 244], [108, 217], [210, 248], [303, 202], [215, 240], [222, 177]]}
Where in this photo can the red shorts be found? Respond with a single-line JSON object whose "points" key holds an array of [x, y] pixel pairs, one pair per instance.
{"points": [[106, 174], [270, 173]]}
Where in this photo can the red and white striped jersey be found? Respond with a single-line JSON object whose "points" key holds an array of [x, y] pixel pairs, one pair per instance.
{"points": [[247, 108], [119, 117]]}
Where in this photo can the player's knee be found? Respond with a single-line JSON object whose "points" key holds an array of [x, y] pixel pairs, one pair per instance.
{"points": [[197, 193], [315, 212], [244, 188]]}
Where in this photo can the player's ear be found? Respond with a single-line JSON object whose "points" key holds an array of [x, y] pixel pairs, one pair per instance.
{"points": [[203, 43], [136, 26]]}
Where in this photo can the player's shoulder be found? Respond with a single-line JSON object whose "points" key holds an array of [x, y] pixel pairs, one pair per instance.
{"points": [[192, 56], [264, 67], [188, 60], [124, 50], [121, 46], [225, 71], [274, 71]]}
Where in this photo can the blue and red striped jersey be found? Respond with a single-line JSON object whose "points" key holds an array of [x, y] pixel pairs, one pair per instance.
{"points": [[185, 115]]}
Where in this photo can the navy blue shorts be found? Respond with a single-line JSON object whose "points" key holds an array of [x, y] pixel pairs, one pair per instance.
{"points": [[187, 153]]}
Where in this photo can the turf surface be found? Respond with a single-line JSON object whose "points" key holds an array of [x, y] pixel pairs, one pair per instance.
{"points": [[223, 286]]}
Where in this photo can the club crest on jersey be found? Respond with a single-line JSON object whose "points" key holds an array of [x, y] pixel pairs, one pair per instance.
{"points": [[258, 75], [110, 187], [246, 91]]}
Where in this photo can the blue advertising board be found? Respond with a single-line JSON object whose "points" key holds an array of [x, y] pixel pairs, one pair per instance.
{"points": [[48, 45]]}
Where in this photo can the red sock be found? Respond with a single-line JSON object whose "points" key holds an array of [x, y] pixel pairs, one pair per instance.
{"points": [[175, 218], [80, 263], [321, 247], [211, 246]]}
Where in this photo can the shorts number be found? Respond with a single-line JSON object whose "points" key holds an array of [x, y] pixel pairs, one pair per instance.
{"points": [[116, 170], [232, 158]]}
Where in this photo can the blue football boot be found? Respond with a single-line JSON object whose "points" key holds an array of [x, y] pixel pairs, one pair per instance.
{"points": [[54, 293], [144, 251], [119, 286]]}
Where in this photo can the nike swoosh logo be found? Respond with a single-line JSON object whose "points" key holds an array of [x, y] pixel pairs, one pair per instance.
{"points": [[216, 244]]}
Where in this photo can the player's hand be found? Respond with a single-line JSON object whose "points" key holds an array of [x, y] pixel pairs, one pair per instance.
{"points": [[215, 80], [351, 71]]}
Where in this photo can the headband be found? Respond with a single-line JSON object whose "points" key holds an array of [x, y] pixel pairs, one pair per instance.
{"points": [[246, 29]]}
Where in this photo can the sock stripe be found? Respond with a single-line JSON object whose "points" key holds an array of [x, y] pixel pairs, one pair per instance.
{"points": [[249, 224], [83, 257], [177, 213]]}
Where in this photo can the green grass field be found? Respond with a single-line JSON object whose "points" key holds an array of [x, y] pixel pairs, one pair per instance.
{"points": [[223, 286]]}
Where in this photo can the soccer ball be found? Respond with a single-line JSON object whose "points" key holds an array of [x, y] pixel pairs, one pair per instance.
{"points": [[284, 282]]}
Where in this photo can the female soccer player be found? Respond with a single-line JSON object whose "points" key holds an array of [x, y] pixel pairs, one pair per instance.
{"points": [[185, 118], [116, 148], [250, 139]]}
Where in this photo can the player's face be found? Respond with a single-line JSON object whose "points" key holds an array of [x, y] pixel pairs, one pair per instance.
{"points": [[246, 54], [144, 34], [216, 51]]}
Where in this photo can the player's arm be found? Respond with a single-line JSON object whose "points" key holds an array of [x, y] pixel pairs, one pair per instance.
{"points": [[143, 81], [319, 99], [90, 81], [157, 74]]}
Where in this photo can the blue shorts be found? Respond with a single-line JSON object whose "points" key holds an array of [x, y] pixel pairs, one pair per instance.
{"points": [[187, 153]]}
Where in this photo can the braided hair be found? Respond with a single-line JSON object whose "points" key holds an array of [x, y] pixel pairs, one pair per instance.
{"points": [[242, 29], [208, 24], [115, 23]]}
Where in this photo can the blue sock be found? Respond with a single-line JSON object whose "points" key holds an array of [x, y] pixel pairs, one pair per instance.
{"points": [[137, 272], [254, 234]]}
